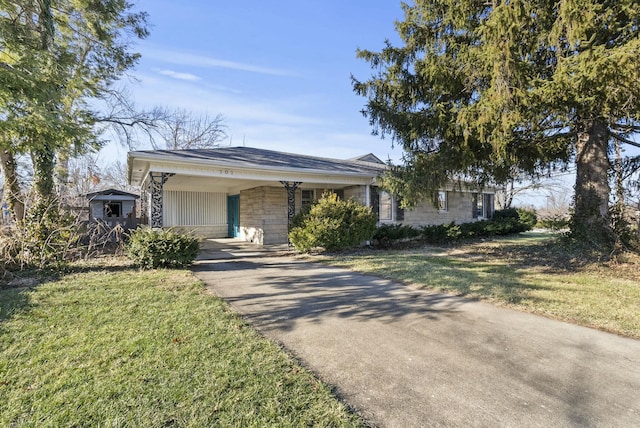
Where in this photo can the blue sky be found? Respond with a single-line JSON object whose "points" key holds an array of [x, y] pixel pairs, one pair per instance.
{"points": [[278, 71]]}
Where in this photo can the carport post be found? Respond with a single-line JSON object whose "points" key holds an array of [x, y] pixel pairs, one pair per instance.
{"points": [[156, 183], [291, 202]]}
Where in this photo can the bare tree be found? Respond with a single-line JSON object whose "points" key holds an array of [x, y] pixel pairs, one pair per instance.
{"points": [[179, 129], [114, 175], [84, 175], [514, 187]]}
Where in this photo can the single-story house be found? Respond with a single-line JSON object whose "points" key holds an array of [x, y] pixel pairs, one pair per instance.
{"points": [[252, 194], [113, 207]]}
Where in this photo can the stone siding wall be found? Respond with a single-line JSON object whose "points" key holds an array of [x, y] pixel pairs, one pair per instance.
{"points": [[459, 210], [263, 215]]}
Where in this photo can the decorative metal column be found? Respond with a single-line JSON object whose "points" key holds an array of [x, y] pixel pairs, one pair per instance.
{"points": [[157, 180], [291, 200]]}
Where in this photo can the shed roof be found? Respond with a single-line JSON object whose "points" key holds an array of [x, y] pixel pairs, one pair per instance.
{"points": [[111, 194]]}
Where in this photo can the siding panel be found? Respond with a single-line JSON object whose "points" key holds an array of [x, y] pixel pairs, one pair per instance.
{"points": [[194, 208]]}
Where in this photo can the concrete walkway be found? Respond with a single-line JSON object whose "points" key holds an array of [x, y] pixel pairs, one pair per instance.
{"points": [[407, 358]]}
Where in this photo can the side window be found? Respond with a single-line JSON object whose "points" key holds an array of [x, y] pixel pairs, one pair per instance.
{"points": [[488, 205], [385, 206], [443, 201], [479, 206], [307, 199], [482, 205]]}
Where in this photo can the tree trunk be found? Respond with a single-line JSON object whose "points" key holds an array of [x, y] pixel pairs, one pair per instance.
{"points": [[61, 174], [43, 173], [591, 219], [12, 191]]}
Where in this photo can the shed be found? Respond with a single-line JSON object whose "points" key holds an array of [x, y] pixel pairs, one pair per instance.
{"points": [[113, 207]]}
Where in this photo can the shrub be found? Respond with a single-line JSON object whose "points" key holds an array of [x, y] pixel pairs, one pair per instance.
{"points": [[527, 217], [154, 248], [554, 222], [439, 234], [332, 223], [47, 238], [511, 213], [504, 222], [387, 233], [446, 233]]}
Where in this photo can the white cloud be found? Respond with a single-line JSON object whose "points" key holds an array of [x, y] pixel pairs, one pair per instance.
{"points": [[204, 97], [194, 60], [296, 123], [180, 76]]}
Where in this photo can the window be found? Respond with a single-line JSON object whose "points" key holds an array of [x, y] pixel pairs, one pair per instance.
{"points": [[482, 205], [488, 205], [307, 199], [479, 205], [338, 192], [442, 201], [386, 207], [113, 209]]}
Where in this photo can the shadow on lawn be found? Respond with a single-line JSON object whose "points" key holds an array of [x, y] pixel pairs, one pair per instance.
{"points": [[16, 286], [12, 300], [500, 268]]}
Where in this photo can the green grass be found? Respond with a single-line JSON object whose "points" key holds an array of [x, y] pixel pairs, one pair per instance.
{"points": [[119, 347], [529, 272]]}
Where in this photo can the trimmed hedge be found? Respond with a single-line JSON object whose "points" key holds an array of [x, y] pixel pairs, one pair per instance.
{"points": [[387, 233], [154, 248], [504, 222]]}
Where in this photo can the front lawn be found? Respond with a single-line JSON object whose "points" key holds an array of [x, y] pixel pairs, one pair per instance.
{"points": [[118, 347], [528, 272]]}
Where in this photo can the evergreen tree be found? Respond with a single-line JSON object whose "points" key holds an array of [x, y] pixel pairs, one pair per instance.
{"points": [[479, 89]]}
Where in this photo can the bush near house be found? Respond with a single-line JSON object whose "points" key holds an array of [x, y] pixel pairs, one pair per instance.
{"points": [[388, 233], [332, 224], [504, 222], [153, 248]]}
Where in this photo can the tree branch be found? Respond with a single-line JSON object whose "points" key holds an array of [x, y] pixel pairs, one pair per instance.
{"points": [[624, 140]]}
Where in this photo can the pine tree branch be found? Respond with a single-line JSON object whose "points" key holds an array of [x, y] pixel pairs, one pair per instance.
{"points": [[624, 140], [626, 128]]}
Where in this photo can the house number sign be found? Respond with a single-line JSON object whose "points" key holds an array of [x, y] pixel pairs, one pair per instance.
{"points": [[226, 172]]}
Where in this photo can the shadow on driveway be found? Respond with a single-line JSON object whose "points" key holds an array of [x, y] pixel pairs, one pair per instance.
{"points": [[405, 357]]}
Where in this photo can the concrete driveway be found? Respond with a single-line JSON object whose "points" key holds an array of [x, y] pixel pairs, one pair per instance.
{"points": [[407, 358]]}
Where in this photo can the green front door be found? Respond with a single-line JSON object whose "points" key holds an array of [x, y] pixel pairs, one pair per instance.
{"points": [[233, 215]]}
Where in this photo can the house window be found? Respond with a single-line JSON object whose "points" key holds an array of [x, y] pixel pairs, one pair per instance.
{"points": [[479, 205], [488, 205], [338, 192], [442, 201], [483, 205], [307, 199], [386, 206], [113, 209]]}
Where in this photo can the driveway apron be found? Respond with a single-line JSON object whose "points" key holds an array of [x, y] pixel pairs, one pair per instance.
{"points": [[403, 357]]}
